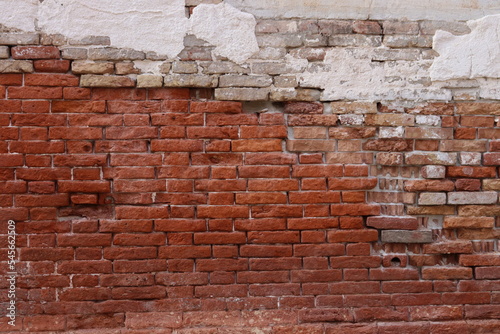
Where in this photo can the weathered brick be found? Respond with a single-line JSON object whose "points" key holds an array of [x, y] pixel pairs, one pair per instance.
{"points": [[432, 198], [89, 80], [16, 66], [88, 67], [390, 236], [487, 197], [433, 172], [468, 222], [35, 52], [191, 80]]}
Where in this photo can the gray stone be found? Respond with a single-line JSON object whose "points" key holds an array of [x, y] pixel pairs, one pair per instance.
{"points": [[433, 172], [407, 41], [222, 67], [191, 80], [4, 52], [74, 53], [91, 40], [406, 237], [185, 67], [16, 66], [115, 54], [355, 40], [285, 81], [112, 81], [245, 81], [400, 28], [466, 197], [89, 67], [19, 38], [149, 81], [432, 198], [242, 94], [456, 28]]}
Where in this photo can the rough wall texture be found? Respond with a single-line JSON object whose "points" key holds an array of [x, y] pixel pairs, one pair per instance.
{"points": [[197, 195]]}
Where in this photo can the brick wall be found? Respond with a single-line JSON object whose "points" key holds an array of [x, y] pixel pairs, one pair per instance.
{"points": [[158, 210]]}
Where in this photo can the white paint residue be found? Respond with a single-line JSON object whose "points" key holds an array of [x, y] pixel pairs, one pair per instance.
{"points": [[19, 14], [230, 30], [153, 25], [475, 55], [350, 73]]}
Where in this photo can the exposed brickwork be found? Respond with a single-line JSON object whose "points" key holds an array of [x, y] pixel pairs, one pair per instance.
{"points": [[154, 209]]}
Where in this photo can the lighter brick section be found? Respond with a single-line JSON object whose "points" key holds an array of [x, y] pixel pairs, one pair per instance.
{"points": [[353, 107], [433, 172], [469, 222], [464, 197], [432, 199], [88, 67], [470, 158], [491, 185], [413, 237], [242, 94], [190, 80], [430, 158], [245, 81], [149, 81], [106, 81], [16, 66], [4, 52], [391, 132]]}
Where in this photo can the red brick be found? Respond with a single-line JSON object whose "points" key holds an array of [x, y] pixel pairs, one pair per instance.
{"points": [[11, 79], [42, 200], [265, 251], [53, 66], [471, 172], [447, 273], [78, 106], [277, 131], [153, 319], [261, 198], [84, 267], [482, 311], [138, 266], [76, 93], [35, 92], [175, 252], [397, 223], [136, 160], [54, 80], [118, 94], [168, 93], [44, 323], [35, 52], [325, 315], [216, 107], [312, 223]]}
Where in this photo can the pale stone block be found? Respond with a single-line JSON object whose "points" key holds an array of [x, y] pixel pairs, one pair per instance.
{"points": [[242, 94], [191, 80], [431, 158], [115, 54], [467, 197], [74, 53], [19, 38], [89, 80], [4, 52], [16, 66], [285, 81], [391, 132], [187, 67], [149, 81], [433, 172], [432, 199], [430, 120], [245, 81], [89, 67]]}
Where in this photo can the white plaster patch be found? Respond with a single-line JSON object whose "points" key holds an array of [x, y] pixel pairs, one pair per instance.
{"points": [[475, 55], [231, 31], [19, 14], [153, 25], [350, 74], [148, 67], [447, 10]]}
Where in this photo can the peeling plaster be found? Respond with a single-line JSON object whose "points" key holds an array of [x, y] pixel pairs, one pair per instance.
{"points": [[231, 31], [475, 55], [448, 10], [153, 25], [350, 74]]}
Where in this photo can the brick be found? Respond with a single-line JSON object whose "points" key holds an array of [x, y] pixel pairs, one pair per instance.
{"points": [[487, 197], [393, 223], [78, 107], [191, 80], [19, 38], [451, 247], [447, 273], [432, 198], [355, 210], [478, 109], [325, 315], [468, 185], [35, 52], [430, 158], [391, 236], [90, 80], [353, 236], [35, 92], [263, 237], [479, 260], [367, 27], [52, 66], [159, 319], [89, 67], [216, 107], [312, 120], [352, 183]]}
